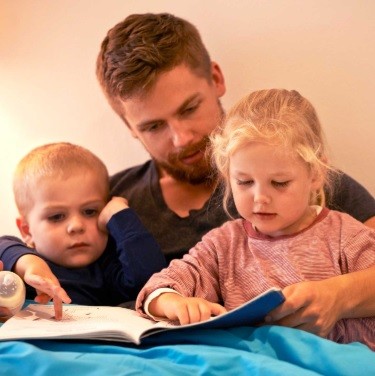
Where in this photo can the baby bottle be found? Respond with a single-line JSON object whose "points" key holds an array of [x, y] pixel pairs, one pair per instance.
{"points": [[12, 291]]}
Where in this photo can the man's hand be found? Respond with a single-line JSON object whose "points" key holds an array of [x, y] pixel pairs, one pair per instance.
{"points": [[312, 306], [186, 310]]}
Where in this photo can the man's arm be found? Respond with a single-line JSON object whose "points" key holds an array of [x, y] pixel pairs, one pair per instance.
{"points": [[315, 306], [370, 222]]}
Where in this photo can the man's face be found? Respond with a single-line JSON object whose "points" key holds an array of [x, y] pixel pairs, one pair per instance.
{"points": [[174, 119]]}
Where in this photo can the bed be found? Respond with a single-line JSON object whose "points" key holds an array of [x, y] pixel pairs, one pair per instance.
{"points": [[267, 350]]}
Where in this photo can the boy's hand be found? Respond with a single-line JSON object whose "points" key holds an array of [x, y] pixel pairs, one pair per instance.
{"points": [[186, 310], [115, 205], [48, 288], [36, 272]]}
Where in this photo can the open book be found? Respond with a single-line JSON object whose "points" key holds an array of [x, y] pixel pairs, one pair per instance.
{"points": [[121, 324]]}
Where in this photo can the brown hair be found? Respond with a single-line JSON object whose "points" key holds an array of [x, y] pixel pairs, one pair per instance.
{"points": [[138, 49], [52, 160]]}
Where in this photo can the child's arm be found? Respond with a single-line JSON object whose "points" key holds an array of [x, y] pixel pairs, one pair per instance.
{"points": [[115, 205], [138, 254], [36, 273], [186, 310], [19, 258]]}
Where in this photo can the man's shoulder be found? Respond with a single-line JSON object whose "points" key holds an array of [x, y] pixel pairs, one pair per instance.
{"points": [[134, 172], [133, 178], [351, 197]]}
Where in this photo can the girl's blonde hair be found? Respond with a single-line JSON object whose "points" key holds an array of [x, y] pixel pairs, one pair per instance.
{"points": [[277, 117], [53, 160]]}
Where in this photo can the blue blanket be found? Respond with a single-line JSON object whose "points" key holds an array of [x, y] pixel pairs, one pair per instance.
{"points": [[268, 350]]}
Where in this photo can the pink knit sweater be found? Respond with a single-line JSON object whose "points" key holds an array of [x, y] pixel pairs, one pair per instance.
{"points": [[233, 263]]}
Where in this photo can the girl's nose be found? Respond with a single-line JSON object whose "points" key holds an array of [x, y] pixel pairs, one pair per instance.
{"points": [[261, 196]]}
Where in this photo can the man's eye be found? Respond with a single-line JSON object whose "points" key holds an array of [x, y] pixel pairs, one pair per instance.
{"points": [[189, 110], [280, 184], [90, 212], [152, 127], [56, 217]]}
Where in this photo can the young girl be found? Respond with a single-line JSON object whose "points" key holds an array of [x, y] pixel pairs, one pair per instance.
{"points": [[271, 156]]}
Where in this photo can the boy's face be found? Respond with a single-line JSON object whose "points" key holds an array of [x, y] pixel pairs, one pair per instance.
{"points": [[63, 222], [174, 119], [271, 189]]}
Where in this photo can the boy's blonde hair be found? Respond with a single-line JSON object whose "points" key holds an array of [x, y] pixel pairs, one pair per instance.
{"points": [[52, 160], [278, 117]]}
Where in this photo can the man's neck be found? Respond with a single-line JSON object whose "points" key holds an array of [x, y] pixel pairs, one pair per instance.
{"points": [[181, 197]]}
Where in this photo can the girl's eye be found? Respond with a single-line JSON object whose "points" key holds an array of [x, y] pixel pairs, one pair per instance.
{"points": [[245, 182], [90, 212], [56, 217], [280, 184]]}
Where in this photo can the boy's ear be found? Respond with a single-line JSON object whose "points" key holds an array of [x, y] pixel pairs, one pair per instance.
{"points": [[23, 226]]}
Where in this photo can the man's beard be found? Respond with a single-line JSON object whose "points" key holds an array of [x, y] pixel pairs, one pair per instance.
{"points": [[199, 173]]}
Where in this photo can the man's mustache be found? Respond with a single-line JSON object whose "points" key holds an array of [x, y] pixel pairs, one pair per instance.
{"points": [[190, 150]]}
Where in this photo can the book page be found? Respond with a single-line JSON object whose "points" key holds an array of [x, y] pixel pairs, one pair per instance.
{"points": [[37, 321], [107, 323]]}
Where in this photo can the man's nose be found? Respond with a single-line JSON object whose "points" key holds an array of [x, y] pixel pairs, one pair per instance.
{"points": [[181, 135]]}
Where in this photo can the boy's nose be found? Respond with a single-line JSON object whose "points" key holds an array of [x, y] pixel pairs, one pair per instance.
{"points": [[75, 225]]}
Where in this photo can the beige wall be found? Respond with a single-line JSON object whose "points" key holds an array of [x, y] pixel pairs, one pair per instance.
{"points": [[48, 90]]}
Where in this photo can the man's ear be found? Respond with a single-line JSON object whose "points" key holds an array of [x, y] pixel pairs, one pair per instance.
{"points": [[24, 228], [218, 79]]}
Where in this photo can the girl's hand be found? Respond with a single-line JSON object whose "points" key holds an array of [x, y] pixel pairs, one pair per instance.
{"points": [[186, 310]]}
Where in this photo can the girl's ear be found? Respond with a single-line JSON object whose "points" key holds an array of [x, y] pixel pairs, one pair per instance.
{"points": [[318, 178], [24, 228]]}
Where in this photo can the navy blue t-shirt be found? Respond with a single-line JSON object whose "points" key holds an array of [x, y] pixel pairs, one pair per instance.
{"points": [[176, 235]]}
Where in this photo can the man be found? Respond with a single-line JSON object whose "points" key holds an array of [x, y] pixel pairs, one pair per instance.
{"points": [[158, 77]]}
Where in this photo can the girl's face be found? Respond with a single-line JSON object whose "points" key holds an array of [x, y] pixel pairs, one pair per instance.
{"points": [[271, 188], [63, 222]]}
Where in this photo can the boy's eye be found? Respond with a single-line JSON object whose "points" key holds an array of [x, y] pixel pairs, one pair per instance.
{"points": [[280, 184], [90, 212], [56, 217]]}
